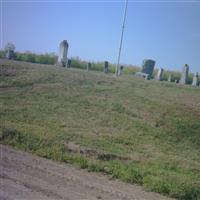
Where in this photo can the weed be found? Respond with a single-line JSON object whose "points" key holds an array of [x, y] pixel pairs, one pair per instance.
{"points": [[153, 124]]}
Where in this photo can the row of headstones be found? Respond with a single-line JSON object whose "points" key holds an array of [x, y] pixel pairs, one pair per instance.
{"points": [[89, 66], [65, 62], [147, 67], [185, 77], [62, 59]]}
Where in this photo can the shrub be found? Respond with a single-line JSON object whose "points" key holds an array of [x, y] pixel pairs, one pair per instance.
{"points": [[50, 58]]}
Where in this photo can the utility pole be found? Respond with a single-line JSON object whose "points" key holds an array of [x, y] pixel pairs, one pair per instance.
{"points": [[1, 26], [117, 69]]}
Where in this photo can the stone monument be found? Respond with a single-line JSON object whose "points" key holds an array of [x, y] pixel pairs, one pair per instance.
{"points": [[62, 59], [184, 74], [169, 78], [89, 65], [120, 70], [159, 74], [9, 49], [143, 75], [106, 67], [69, 62], [148, 67], [195, 80]]}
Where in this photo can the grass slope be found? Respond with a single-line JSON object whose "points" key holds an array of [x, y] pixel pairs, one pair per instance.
{"points": [[143, 132]]}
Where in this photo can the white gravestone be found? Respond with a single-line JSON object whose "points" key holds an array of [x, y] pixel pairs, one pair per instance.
{"points": [[62, 59], [184, 74], [195, 80], [159, 74]]}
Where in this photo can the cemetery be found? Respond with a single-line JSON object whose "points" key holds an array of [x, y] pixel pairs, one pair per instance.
{"points": [[130, 128], [147, 70], [99, 100], [148, 66]]}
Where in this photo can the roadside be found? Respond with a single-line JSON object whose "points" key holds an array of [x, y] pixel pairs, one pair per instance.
{"points": [[25, 176]]}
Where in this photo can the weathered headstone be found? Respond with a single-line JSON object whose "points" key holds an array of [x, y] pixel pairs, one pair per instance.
{"points": [[89, 65], [143, 75], [148, 67], [169, 78], [69, 63], [120, 70], [195, 80], [9, 49], [184, 74], [106, 67], [159, 74], [62, 59]]}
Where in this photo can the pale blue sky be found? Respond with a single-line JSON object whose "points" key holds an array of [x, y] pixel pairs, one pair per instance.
{"points": [[166, 31]]}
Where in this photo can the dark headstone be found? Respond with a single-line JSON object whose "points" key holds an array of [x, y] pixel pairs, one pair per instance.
{"points": [[89, 65], [69, 61], [106, 67], [148, 67]]}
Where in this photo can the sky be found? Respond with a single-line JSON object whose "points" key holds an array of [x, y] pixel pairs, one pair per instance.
{"points": [[165, 31]]}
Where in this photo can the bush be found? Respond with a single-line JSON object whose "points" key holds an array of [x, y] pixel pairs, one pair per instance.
{"points": [[2, 54], [78, 63], [36, 58]]}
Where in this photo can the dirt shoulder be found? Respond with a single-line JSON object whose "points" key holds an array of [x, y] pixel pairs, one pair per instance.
{"points": [[25, 176]]}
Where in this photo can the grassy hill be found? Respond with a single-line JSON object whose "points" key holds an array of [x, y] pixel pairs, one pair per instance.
{"points": [[143, 132]]}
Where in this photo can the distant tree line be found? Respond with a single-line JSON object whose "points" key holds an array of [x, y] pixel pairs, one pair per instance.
{"points": [[48, 58]]}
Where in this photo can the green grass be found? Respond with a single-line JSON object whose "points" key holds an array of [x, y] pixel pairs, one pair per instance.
{"points": [[148, 131]]}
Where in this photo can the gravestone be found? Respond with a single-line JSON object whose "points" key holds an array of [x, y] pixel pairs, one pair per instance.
{"points": [[143, 75], [184, 74], [62, 59], [106, 67], [9, 49], [195, 80], [148, 67], [120, 70], [89, 65], [169, 78], [69, 63], [159, 74]]}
